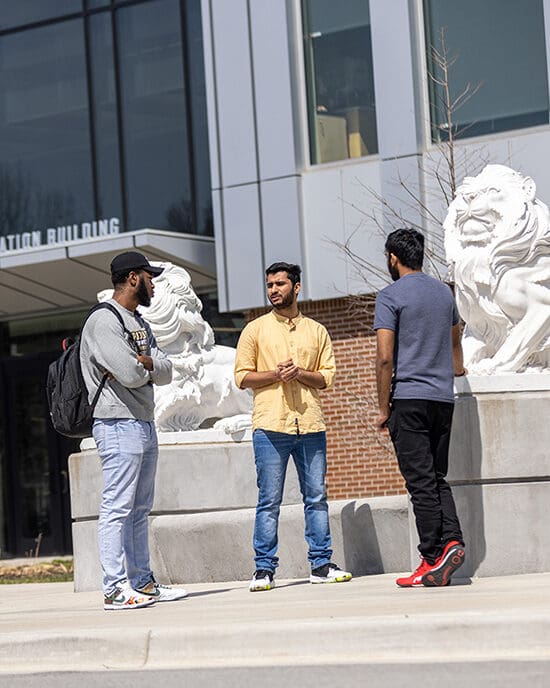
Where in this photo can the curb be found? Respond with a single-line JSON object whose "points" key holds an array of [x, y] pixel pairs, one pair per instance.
{"points": [[432, 638]]}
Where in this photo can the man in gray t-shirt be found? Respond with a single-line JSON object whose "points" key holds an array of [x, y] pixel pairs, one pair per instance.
{"points": [[418, 354], [124, 432]]}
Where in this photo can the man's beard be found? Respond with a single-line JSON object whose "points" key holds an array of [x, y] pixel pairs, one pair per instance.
{"points": [[285, 302], [142, 294]]}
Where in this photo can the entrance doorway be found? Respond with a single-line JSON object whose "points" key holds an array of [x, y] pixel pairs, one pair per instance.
{"points": [[36, 505]]}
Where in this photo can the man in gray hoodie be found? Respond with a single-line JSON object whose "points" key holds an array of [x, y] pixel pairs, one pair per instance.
{"points": [[124, 432]]}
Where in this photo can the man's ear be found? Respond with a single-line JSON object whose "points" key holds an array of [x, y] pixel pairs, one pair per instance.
{"points": [[297, 288]]}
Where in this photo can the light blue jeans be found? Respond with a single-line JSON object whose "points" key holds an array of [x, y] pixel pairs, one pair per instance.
{"points": [[272, 451], [128, 450]]}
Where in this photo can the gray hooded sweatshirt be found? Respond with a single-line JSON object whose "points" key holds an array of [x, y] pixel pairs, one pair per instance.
{"points": [[105, 346]]}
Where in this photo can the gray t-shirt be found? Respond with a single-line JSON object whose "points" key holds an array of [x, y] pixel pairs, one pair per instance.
{"points": [[421, 311], [105, 346]]}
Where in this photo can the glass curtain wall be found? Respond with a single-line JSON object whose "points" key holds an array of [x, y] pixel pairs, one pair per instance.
{"points": [[498, 44], [15, 13], [338, 52], [98, 116], [45, 171], [153, 106]]}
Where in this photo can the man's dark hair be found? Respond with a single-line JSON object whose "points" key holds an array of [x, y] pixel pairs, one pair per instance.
{"points": [[408, 246], [294, 272]]}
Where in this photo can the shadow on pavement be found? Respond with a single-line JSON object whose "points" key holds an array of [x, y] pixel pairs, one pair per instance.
{"points": [[202, 593]]}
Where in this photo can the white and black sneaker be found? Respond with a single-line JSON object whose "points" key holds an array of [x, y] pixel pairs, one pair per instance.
{"points": [[124, 597], [261, 580], [162, 593], [329, 573]]}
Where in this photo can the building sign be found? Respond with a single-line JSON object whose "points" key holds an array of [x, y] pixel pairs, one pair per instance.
{"points": [[54, 236]]}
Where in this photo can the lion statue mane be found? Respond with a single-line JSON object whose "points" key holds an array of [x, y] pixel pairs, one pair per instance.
{"points": [[497, 244], [202, 393]]}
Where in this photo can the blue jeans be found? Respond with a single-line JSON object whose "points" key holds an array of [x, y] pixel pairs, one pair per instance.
{"points": [[128, 450], [272, 451]]}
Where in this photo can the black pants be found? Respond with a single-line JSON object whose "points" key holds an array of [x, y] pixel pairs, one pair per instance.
{"points": [[420, 431]]}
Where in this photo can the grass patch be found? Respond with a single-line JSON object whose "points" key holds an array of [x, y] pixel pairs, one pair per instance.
{"points": [[56, 571]]}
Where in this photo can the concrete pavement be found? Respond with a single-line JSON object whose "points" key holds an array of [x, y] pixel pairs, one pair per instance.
{"points": [[47, 627]]}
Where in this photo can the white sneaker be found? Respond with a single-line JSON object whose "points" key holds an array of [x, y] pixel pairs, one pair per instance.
{"points": [[162, 593], [124, 597], [261, 580], [329, 573]]}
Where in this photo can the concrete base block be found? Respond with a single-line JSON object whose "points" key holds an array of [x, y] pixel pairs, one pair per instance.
{"points": [[369, 536], [191, 476], [505, 528], [500, 436]]}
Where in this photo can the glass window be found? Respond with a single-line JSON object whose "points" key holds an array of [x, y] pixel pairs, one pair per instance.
{"points": [[28, 11], [45, 158], [342, 114], [500, 45], [157, 155], [92, 4], [105, 125]]}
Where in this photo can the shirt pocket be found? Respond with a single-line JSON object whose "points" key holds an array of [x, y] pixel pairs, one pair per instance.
{"points": [[307, 356]]}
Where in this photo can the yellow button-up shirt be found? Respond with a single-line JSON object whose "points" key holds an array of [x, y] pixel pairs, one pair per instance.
{"points": [[288, 407]]}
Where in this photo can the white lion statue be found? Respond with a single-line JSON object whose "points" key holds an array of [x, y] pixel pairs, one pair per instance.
{"points": [[202, 392], [497, 243]]}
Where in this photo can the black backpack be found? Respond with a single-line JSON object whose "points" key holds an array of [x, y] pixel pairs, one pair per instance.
{"points": [[70, 411]]}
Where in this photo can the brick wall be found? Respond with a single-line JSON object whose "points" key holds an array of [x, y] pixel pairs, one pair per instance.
{"points": [[361, 462]]}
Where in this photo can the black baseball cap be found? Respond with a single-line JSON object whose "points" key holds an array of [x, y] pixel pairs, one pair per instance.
{"points": [[132, 260]]}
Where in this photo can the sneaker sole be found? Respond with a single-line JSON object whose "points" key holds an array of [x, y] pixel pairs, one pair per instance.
{"points": [[341, 579], [415, 585], [159, 598], [260, 588], [121, 607], [409, 585], [441, 576], [170, 599]]}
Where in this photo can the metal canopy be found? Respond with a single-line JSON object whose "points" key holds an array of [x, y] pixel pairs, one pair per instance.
{"points": [[69, 276]]}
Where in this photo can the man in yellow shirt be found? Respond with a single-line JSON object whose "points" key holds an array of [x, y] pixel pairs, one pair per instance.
{"points": [[286, 358]]}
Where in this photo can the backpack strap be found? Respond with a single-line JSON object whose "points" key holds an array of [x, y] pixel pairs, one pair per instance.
{"points": [[99, 390]]}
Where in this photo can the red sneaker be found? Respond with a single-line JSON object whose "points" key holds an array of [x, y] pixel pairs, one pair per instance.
{"points": [[450, 561], [415, 579]]}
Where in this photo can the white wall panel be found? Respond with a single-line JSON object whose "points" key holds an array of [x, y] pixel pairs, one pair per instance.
{"points": [[210, 87], [360, 188], [235, 107], [393, 77], [219, 236], [324, 264], [282, 222], [400, 182], [272, 85], [529, 154], [243, 250]]}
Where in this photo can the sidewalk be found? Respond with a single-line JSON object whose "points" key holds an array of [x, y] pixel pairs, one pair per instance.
{"points": [[47, 627]]}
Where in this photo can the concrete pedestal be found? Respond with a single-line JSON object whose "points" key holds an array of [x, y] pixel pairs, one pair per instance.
{"points": [[203, 516], [499, 468]]}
